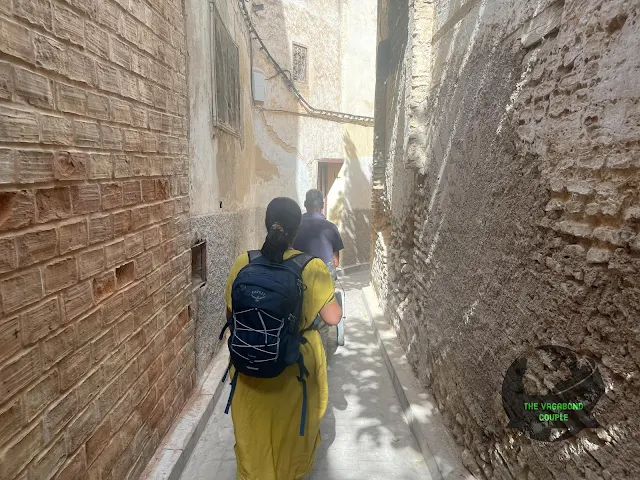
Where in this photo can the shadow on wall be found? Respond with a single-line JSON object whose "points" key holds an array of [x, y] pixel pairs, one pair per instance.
{"points": [[348, 207]]}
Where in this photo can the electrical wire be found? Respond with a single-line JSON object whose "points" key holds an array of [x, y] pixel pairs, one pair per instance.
{"points": [[316, 112]]}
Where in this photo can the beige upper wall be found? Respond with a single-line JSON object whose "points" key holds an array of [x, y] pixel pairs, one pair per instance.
{"points": [[294, 143], [358, 57]]}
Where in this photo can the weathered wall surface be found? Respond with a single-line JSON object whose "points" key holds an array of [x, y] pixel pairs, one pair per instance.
{"points": [[523, 228], [224, 171], [96, 349], [289, 142]]}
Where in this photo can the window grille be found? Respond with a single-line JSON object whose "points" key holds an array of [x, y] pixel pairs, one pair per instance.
{"points": [[300, 63], [226, 74]]}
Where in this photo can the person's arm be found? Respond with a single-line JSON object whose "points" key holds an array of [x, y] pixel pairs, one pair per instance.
{"points": [[337, 246], [331, 313]]}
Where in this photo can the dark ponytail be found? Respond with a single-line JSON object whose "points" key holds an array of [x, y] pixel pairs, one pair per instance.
{"points": [[282, 221]]}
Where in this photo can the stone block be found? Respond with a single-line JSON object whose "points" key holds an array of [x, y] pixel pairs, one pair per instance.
{"points": [[82, 427], [111, 139], [59, 414], [139, 116], [34, 166], [16, 41], [53, 203], [91, 263], [89, 326], [40, 321], [40, 395], [97, 40], [17, 209], [120, 111], [131, 193], [75, 467], [36, 12], [19, 453], [132, 141], [59, 346], [72, 236], [89, 388], [98, 440], [73, 367], [60, 275], [120, 53], [7, 166], [19, 373], [97, 106], [9, 338], [71, 165], [128, 85], [114, 254], [49, 53], [56, 130], [11, 418], [21, 290], [134, 245], [34, 247], [68, 25], [71, 99], [108, 78], [33, 88], [77, 300], [101, 166], [47, 464], [18, 126], [85, 198], [100, 228], [103, 345], [86, 134], [113, 308], [108, 15], [80, 67]]}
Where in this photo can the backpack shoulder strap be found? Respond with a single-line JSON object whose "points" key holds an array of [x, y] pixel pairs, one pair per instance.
{"points": [[253, 254], [298, 262]]}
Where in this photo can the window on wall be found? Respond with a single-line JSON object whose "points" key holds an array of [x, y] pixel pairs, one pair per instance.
{"points": [[226, 76], [300, 63]]}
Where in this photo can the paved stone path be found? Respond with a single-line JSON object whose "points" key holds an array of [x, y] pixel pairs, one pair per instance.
{"points": [[364, 433]]}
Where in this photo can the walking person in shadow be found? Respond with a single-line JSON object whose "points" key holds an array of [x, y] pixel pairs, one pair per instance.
{"points": [[278, 368]]}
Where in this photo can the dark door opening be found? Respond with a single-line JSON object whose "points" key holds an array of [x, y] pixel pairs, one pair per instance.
{"points": [[328, 171]]}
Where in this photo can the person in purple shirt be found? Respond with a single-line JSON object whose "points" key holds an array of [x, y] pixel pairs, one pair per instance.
{"points": [[317, 235]]}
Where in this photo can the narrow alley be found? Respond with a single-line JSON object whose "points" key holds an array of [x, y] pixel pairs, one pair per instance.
{"points": [[364, 433]]}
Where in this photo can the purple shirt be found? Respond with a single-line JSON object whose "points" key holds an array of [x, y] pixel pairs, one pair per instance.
{"points": [[318, 237]]}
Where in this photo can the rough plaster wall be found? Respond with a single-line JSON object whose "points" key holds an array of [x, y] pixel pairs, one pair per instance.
{"points": [[224, 169], [526, 230]]}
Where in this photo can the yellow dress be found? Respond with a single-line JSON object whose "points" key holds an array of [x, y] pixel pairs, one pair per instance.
{"points": [[266, 411]]}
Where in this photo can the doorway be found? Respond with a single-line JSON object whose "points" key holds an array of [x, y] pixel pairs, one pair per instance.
{"points": [[328, 171]]}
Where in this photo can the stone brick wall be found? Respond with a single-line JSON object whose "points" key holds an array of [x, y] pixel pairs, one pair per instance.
{"points": [[96, 341], [518, 219]]}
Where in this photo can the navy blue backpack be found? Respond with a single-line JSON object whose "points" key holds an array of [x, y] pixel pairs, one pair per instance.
{"points": [[266, 300]]}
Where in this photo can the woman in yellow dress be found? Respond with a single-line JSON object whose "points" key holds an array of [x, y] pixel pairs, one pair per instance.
{"points": [[266, 411]]}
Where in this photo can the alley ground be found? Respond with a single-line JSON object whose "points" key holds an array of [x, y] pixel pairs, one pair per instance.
{"points": [[364, 433]]}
